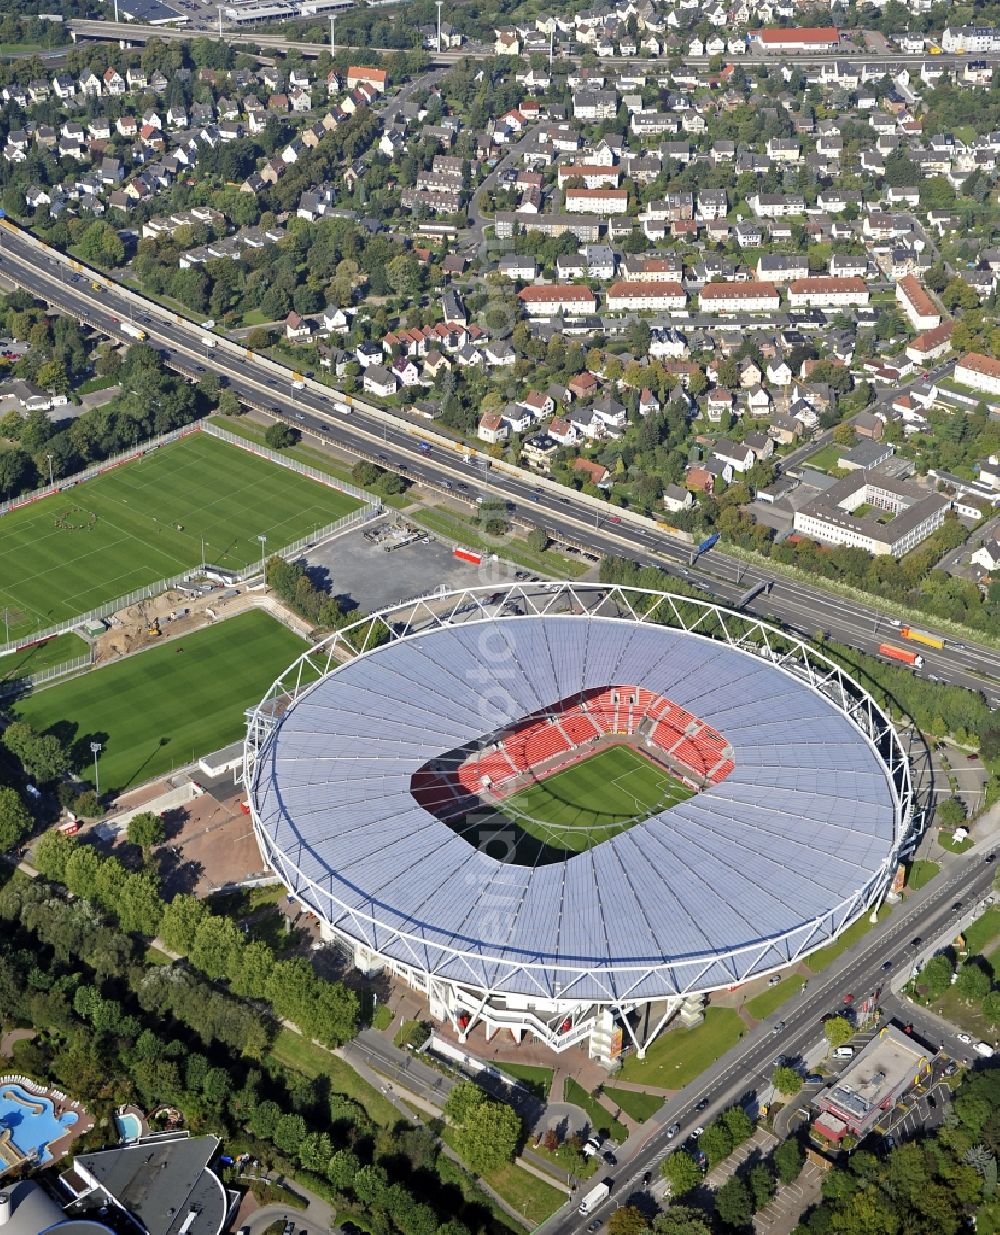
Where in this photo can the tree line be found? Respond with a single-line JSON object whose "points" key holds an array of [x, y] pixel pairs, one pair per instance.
{"points": [[111, 1029], [212, 943]]}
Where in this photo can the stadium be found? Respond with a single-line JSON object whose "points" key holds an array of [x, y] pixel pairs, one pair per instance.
{"points": [[571, 810]]}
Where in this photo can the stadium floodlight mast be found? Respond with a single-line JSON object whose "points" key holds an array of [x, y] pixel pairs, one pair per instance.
{"points": [[262, 537], [439, 3], [95, 750], [333, 34], [49, 456]]}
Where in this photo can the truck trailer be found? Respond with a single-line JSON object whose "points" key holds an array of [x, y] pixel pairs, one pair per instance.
{"points": [[921, 636], [132, 330], [903, 655]]}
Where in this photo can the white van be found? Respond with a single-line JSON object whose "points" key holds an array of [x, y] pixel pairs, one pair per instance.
{"points": [[983, 1048], [844, 1052]]}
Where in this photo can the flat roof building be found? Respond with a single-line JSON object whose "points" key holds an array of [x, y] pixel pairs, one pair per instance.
{"points": [[882, 1072], [872, 511]]}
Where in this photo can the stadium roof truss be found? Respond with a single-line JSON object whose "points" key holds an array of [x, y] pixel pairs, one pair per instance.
{"points": [[490, 971]]}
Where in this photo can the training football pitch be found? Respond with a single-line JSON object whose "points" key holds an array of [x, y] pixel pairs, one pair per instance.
{"points": [[167, 706], [147, 520], [576, 809]]}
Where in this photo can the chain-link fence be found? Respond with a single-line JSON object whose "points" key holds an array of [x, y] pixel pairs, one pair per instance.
{"points": [[17, 685], [97, 469]]}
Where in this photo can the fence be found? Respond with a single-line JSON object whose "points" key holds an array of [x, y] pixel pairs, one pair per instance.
{"points": [[371, 510], [293, 465], [97, 469], [16, 685]]}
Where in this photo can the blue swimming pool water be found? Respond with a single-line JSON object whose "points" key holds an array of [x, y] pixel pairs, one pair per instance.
{"points": [[32, 1131], [129, 1127]]}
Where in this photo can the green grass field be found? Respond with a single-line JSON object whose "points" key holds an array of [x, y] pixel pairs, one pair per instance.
{"points": [[677, 1056], [538, 1080], [590, 802], [771, 999], [146, 521], [163, 708], [46, 655], [640, 1106], [601, 1119]]}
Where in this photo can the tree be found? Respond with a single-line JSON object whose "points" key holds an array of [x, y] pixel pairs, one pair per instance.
{"points": [[145, 830], [180, 922], [738, 1124], [627, 1220], [762, 1185], [733, 1203], [838, 1031], [786, 1081], [716, 1143], [229, 405], [42, 755], [935, 977], [789, 1160], [951, 812], [280, 436], [537, 540], [991, 1007], [973, 982], [403, 273], [681, 1220], [681, 1171], [18, 473], [488, 1132], [15, 821]]}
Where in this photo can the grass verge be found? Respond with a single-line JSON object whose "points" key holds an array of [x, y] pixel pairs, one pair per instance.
{"points": [[525, 1193], [251, 431], [452, 526], [921, 873], [819, 960], [639, 1106], [600, 1119], [770, 1000], [291, 1050], [982, 932], [57, 651], [537, 1080], [679, 1055]]}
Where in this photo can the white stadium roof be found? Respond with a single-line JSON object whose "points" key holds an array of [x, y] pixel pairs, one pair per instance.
{"points": [[737, 880]]}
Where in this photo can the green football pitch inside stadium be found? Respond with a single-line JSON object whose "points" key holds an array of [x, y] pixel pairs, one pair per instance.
{"points": [[167, 706], [145, 521], [574, 810]]}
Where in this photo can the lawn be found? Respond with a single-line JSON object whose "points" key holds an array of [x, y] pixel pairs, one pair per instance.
{"points": [[314, 456], [770, 1000], [600, 1119], [825, 459], [293, 1051], [594, 799], [452, 526], [679, 1055], [982, 932], [947, 841], [921, 873], [525, 1193], [151, 519], [819, 960], [537, 1080], [163, 708], [640, 1106], [41, 656]]}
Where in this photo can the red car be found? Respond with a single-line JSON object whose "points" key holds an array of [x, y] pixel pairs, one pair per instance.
{"points": [[848, 999]]}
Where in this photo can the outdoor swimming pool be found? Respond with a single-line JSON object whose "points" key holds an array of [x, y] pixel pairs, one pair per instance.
{"points": [[31, 1120], [129, 1127]]}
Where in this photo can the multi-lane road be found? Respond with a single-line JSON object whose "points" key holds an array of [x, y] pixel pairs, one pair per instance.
{"points": [[885, 61], [394, 441], [885, 953]]}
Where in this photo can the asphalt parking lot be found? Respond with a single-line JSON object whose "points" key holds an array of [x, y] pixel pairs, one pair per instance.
{"points": [[365, 577], [917, 1114]]}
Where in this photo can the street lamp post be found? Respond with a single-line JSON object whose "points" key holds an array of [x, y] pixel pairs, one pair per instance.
{"points": [[95, 750], [263, 567]]}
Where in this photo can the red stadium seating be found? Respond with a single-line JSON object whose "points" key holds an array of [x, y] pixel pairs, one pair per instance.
{"points": [[573, 723]]}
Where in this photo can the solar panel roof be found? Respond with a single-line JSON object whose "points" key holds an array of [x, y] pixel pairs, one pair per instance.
{"points": [[732, 881]]}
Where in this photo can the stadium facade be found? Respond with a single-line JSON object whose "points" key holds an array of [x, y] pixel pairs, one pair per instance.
{"points": [[377, 765]]}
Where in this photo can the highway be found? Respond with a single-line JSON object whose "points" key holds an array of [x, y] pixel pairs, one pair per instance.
{"points": [[748, 1066], [391, 440], [891, 62]]}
